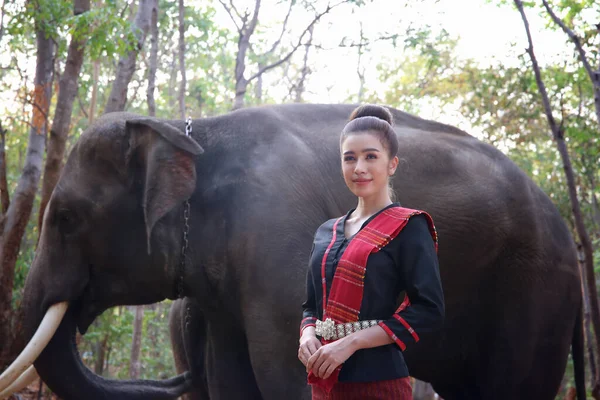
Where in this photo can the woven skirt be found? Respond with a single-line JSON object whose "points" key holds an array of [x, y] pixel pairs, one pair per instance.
{"points": [[395, 389]]}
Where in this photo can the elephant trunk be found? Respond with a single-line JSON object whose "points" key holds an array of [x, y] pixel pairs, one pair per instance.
{"points": [[61, 368]]}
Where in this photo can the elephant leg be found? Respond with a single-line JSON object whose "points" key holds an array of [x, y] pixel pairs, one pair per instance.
{"points": [[229, 372], [279, 373], [188, 339]]}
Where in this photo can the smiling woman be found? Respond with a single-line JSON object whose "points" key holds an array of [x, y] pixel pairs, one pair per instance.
{"points": [[361, 358], [369, 147]]}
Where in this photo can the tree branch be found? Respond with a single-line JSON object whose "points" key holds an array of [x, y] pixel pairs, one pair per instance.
{"points": [[81, 106], [231, 15], [365, 42], [28, 99], [235, 10], [124, 10], [4, 196], [574, 38], [285, 21], [360, 70], [254, 21], [300, 87], [538, 75], [289, 55]]}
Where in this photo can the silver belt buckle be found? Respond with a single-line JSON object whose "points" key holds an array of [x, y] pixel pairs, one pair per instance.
{"points": [[325, 329]]}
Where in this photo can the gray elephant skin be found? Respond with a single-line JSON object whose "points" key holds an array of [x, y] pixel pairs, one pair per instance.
{"points": [[259, 182]]}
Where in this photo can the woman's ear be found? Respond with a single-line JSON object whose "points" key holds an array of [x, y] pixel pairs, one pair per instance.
{"points": [[393, 165]]}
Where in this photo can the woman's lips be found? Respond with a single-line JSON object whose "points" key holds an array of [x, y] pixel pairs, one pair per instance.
{"points": [[362, 181]]}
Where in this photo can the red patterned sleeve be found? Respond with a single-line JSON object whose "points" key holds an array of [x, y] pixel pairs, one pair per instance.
{"points": [[423, 308]]}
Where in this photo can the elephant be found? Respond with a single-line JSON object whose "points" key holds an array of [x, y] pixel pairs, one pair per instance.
{"points": [[224, 219]]}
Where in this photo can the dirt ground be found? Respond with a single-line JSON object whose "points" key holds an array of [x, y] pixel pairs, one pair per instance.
{"points": [[32, 392]]}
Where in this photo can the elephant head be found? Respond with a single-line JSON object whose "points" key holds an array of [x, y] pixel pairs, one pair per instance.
{"points": [[110, 236]]}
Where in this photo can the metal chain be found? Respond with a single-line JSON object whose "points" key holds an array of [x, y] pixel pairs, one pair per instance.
{"points": [[188, 127], [186, 225]]}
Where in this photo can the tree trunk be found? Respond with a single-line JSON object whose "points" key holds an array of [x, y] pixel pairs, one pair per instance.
{"points": [[4, 197], [360, 70], [126, 66], [586, 318], [241, 84], [586, 244], [301, 86], [245, 32], [172, 83], [100, 355], [152, 331], [153, 63], [596, 209], [183, 83], [18, 213], [67, 90], [136, 343], [94, 100], [258, 89]]}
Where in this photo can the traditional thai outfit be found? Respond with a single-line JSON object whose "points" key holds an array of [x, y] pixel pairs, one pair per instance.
{"points": [[356, 283]]}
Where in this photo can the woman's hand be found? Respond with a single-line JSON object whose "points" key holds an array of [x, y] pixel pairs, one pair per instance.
{"points": [[309, 344], [327, 358]]}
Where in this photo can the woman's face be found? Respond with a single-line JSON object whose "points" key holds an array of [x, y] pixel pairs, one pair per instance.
{"points": [[366, 165]]}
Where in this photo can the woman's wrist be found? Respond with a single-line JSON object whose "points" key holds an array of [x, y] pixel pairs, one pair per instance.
{"points": [[374, 336], [353, 341], [308, 331]]}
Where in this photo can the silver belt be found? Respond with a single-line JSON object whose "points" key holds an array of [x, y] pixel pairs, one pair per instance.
{"points": [[329, 330]]}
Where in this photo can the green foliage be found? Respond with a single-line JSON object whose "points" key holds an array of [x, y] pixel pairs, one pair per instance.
{"points": [[156, 355], [114, 330], [111, 330], [210, 51], [418, 74], [500, 102], [107, 33]]}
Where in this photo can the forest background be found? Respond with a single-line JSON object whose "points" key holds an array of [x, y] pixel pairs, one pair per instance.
{"points": [[469, 63]]}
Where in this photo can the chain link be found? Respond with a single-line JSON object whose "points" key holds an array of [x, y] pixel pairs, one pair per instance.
{"points": [[188, 127], [186, 225]]}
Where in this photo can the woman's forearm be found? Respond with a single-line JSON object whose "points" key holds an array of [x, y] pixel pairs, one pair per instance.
{"points": [[374, 336]]}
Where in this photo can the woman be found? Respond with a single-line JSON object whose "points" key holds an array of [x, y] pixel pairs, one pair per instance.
{"points": [[367, 258]]}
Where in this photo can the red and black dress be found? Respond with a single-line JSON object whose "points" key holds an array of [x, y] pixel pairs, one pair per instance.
{"points": [[393, 252]]}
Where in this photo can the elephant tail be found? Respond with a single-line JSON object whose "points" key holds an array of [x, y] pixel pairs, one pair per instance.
{"points": [[578, 356]]}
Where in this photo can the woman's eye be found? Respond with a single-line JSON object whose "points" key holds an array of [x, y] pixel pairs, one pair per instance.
{"points": [[348, 158], [371, 156]]}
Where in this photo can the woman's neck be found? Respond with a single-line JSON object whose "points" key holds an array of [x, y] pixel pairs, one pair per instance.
{"points": [[369, 206]]}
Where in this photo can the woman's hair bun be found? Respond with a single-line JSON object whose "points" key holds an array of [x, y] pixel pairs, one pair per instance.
{"points": [[373, 110]]}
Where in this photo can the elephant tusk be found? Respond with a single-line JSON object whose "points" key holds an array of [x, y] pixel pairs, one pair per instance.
{"points": [[21, 383], [36, 345]]}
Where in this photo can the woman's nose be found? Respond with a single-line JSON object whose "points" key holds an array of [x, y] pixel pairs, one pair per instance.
{"points": [[360, 167]]}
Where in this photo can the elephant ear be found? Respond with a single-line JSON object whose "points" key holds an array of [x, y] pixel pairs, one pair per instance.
{"points": [[167, 157]]}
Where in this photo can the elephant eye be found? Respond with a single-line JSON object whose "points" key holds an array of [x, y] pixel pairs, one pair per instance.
{"points": [[67, 221]]}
